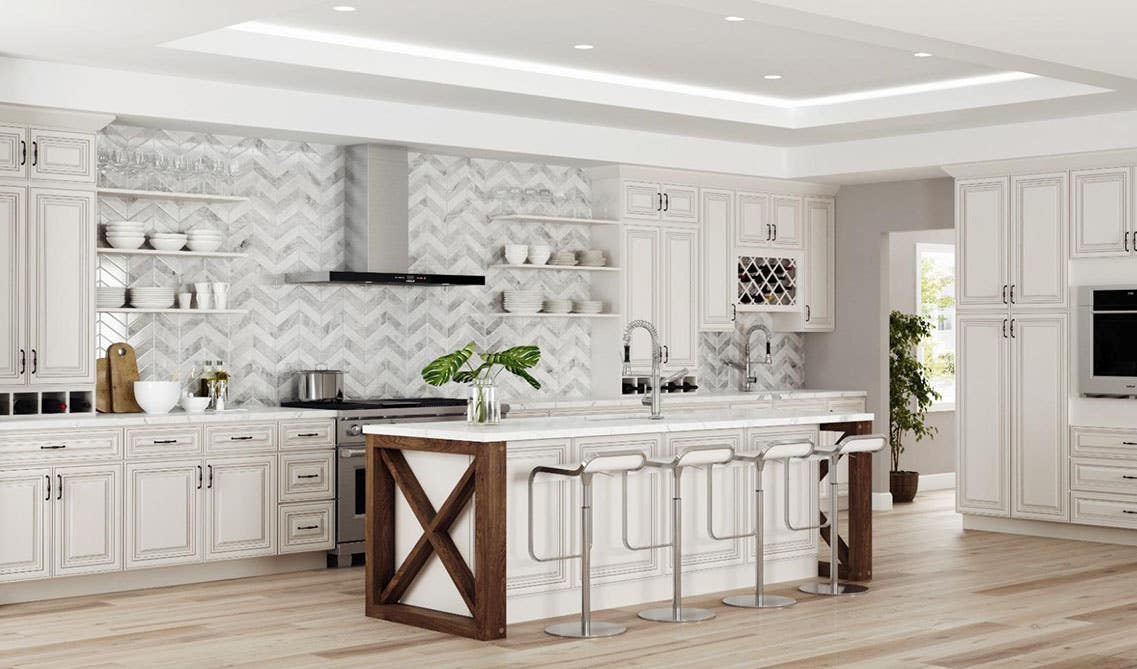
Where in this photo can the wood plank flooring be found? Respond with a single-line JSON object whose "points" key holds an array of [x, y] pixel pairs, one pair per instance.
{"points": [[941, 598]]}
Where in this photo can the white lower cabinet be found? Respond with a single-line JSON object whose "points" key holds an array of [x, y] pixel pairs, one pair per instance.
{"points": [[730, 497], [778, 538], [307, 476], [557, 520], [307, 526], [240, 507], [25, 524], [163, 513]]}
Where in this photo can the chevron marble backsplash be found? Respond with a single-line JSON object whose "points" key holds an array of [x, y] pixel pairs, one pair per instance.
{"points": [[381, 336]]}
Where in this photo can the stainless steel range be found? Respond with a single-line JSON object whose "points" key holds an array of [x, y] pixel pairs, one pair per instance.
{"points": [[350, 456]]}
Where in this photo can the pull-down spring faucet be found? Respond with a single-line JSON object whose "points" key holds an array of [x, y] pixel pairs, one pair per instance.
{"points": [[748, 377]]}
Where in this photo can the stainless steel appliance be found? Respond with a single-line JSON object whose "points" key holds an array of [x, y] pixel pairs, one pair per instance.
{"points": [[351, 464], [1107, 341], [319, 385]]}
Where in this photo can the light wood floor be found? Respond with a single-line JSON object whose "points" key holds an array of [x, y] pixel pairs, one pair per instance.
{"points": [[941, 598]]}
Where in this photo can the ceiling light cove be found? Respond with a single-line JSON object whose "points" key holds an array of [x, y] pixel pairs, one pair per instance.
{"points": [[343, 8], [772, 77], [733, 19], [583, 47], [922, 54]]}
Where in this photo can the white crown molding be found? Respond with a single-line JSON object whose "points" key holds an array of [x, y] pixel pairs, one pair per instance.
{"points": [[61, 119]]}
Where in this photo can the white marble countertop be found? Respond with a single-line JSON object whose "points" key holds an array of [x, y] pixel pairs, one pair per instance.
{"points": [[681, 399], [175, 417], [527, 429]]}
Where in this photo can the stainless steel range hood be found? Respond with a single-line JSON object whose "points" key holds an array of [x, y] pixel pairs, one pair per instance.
{"points": [[376, 236]]}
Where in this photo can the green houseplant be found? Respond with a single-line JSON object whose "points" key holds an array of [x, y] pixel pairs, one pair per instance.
{"points": [[910, 394], [483, 406]]}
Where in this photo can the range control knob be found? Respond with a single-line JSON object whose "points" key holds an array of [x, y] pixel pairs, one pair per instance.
{"points": [[355, 430]]}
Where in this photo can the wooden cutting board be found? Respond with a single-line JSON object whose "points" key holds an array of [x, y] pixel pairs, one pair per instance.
{"points": [[102, 386], [123, 368]]}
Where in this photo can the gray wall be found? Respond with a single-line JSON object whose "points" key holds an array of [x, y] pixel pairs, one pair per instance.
{"points": [[854, 356], [935, 455]]}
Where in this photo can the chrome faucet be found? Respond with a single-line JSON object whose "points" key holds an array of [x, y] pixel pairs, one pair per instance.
{"points": [[651, 400], [748, 377]]}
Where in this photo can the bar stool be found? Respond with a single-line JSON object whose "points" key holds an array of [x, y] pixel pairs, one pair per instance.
{"points": [[866, 443], [620, 462], [697, 456], [783, 451]]}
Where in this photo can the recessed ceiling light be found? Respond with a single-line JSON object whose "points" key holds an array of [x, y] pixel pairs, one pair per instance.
{"points": [[343, 8], [922, 54], [772, 76], [733, 19], [582, 47]]}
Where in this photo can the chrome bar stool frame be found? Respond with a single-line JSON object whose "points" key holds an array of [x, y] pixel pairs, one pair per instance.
{"points": [[606, 463], [696, 456], [785, 451], [866, 443]]}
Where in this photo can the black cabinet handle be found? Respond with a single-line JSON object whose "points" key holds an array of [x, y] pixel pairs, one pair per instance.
{"points": [[308, 434], [199, 477], [48, 477], [666, 354], [1127, 476], [769, 232], [245, 438], [666, 201], [35, 153], [807, 313], [775, 232], [23, 361], [659, 205], [308, 527], [1004, 328], [165, 441], [308, 476], [54, 447], [35, 361], [1126, 242], [1013, 327], [1128, 511], [1129, 443], [59, 493], [733, 312], [1012, 293], [23, 153], [210, 467], [1004, 293]]}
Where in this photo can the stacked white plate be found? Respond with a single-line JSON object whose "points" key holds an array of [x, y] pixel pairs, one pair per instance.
{"points": [[558, 306], [167, 241], [204, 240], [109, 298], [523, 301], [125, 234], [151, 297], [588, 306], [563, 258], [593, 258]]}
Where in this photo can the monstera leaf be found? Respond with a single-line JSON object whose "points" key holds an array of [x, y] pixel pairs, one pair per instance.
{"points": [[446, 368], [517, 360]]}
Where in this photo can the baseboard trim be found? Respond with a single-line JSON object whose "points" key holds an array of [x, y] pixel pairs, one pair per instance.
{"points": [[1049, 530], [944, 481], [882, 501]]}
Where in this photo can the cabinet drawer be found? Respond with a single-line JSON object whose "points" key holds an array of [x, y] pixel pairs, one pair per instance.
{"points": [[306, 527], [307, 434], [305, 476], [240, 438], [61, 445], [1092, 442], [1098, 476], [175, 442], [61, 156], [1105, 510], [854, 405]]}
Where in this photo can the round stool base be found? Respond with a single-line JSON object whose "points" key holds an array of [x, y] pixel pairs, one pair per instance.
{"points": [[827, 589], [686, 614], [596, 630], [759, 601]]}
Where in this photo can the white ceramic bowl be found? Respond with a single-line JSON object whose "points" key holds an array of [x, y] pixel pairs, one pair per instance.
{"points": [[539, 255], [515, 254], [193, 404], [203, 246], [126, 243], [167, 244], [157, 396]]}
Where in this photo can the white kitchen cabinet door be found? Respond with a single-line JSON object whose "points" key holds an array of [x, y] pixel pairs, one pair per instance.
{"points": [[13, 152], [61, 280], [778, 538], [240, 507], [983, 235], [25, 524], [820, 263], [1039, 427], [61, 156], [752, 220], [87, 519], [642, 200], [716, 267], [786, 217], [731, 495], [1039, 245], [13, 362], [163, 513], [1102, 211], [557, 517], [641, 287], [680, 203], [680, 298], [982, 414]]}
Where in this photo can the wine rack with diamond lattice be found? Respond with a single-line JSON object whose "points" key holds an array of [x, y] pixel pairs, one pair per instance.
{"points": [[767, 284]]}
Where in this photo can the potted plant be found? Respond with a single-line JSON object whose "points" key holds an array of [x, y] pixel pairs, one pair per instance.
{"points": [[910, 393], [483, 406]]}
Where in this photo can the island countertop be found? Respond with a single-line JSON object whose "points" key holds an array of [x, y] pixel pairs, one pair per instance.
{"points": [[529, 429]]}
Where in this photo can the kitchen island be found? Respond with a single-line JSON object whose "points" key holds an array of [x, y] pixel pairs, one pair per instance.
{"points": [[450, 552]]}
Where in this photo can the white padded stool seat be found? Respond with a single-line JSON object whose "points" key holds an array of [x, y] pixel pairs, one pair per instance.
{"points": [[780, 450], [867, 443], [614, 463], [696, 457]]}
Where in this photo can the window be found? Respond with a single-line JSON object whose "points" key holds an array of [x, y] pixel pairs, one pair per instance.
{"points": [[935, 300]]}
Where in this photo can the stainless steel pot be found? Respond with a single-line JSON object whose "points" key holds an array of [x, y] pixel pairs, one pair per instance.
{"points": [[316, 385]]}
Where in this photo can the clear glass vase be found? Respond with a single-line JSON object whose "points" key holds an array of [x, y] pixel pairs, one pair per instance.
{"points": [[482, 405]]}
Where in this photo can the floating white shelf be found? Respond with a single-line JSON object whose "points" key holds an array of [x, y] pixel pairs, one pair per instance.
{"points": [[182, 312], [152, 252], [168, 195], [534, 218], [579, 268], [544, 315]]}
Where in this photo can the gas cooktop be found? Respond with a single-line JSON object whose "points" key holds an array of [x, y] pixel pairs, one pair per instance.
{"points": [[389, 403]]}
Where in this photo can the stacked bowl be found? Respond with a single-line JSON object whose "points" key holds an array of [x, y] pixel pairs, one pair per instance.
{"points": [[109, 298], [588, 306], [523, 301], [515, 254], [125, 234], [204, 240], [167, 241], [563, 258], [539, 254], [558, 306], [593, 258], [151, 297]]}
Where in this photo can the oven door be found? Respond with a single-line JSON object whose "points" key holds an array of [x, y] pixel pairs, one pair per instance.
{"points": [[351, 493], [1108, 356]]}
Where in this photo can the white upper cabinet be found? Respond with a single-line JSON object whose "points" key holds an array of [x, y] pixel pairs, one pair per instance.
{"points": [[982, 414], [641, 287], [642, 200], [716, 265], [61, 156], [13, 151], [1102, 212], [752, 223], [680, 203], [60, 286], [679, 323], [13, 356], [1039, 241], [982, 233], [786, 219], [653, 201], [820, 265]]}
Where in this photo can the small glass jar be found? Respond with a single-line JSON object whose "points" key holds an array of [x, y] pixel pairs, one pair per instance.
{"points": [[482, 405]]}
